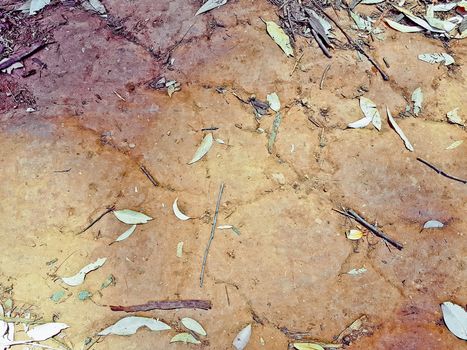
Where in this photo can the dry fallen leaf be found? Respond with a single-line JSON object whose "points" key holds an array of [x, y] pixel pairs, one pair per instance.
{"points": [[46, 331], [242, 338], [130, 325], [432, 58], [455, 318], [77, 279], [433, 224], [274, 102], [209, 5], [193, 325], [417, 99], [178, 213], [185, 338], [204, 148], [126, 234], [454, 118], [403, 28], [354, 234], [131, 217], [307, 346], [399, 131], [278, 35], [455, 144], [179, 249]]}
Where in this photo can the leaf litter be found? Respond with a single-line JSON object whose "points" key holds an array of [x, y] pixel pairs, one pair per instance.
{"points": [[455, 318], [454, 118], [371, 115], [243, 337], [433, 224], [417, 99], [131, 217], [78, 279], [126, 234], [210, 5], [455, 144], [130, 325], [433, 58], [280, 38], [185, 338], [203, 148], [177, 211], [399, 131], [193, 325]]}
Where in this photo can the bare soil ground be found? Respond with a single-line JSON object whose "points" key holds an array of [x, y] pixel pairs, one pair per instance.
{"points": [[96, 121]]}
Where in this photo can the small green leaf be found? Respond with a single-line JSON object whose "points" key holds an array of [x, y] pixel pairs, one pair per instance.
{"points": [[84, 295], [57, 296], [110, 280]]}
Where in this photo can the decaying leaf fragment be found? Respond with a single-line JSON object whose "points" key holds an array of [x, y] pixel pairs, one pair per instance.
{"points": [[275, 129], [193, 325], [242, 338], [399, 131], [179, 249], [46, 331], [131, 217], [307, 346], [417, 99], [454, 118], [204, 148], [209, 5], [130, 325], [126, 234], [177, 211], [274, 102], [433, 224], [77, 279], [402, 27], [433, 58], [185, 338], [278, 35], [455, 318], [354, 234], [94, 6], [455, 144]]}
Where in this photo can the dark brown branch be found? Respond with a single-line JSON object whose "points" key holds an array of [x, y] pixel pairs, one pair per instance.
{"points": [[439, 171], [23, 53], [165, 305], [354, 44], [213, 230], [149, 176], [321, 44], [108, 210], [353, 215]]}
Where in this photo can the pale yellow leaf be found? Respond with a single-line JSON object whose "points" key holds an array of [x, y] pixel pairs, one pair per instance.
{"points": [[455, 144], [278, 35], [354, 234], [307, 346]]}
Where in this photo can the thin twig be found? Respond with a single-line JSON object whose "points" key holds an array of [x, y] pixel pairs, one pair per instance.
{"points": [[165, 305], [109, 209], [353, 215], [439, 171], [321, 44], [297, 62], [321, 83], [213, 230], [353, 43], [23, 53], [149, 176]]}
